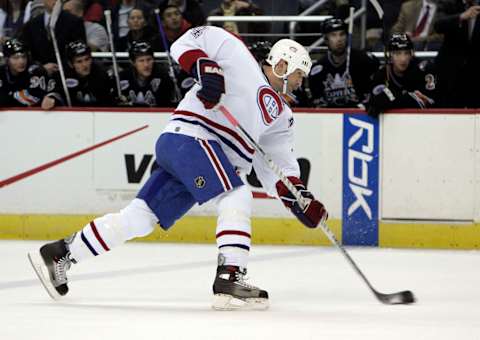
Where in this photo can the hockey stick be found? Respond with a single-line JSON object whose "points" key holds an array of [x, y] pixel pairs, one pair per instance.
{"points": [[108, 22], [57, 8], [171, 70], [403, 297], [378, 8], [349, 39]]}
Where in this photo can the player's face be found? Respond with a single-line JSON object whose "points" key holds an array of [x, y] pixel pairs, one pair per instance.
{"points": [[400, 60], [82, 65], [295, 80], [337, 42], [136, 20], [144, 65], [17, 63], [49, 4], [172, 18]]}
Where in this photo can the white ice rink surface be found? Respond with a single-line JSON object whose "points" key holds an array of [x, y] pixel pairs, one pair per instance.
{"points": [[163, 291]]}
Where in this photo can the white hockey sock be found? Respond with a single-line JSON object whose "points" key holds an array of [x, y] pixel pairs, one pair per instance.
{"points": [[111, 230], [233, 232]]}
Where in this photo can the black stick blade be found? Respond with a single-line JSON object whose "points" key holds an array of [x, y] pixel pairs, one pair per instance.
{"points": [[401, 298]]}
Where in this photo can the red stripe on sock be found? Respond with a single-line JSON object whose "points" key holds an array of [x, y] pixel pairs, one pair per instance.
{"points": [[99, 238], [233, 232]]}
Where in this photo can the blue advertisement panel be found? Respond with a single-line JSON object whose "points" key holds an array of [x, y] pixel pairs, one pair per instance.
{"points": [[360, 180]]}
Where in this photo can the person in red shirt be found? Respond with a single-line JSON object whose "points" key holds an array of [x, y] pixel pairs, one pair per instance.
{"points": [[174, 24]]}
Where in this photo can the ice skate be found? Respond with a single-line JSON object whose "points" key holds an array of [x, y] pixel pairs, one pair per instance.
{"points": [[231, 292], [51, 263]]}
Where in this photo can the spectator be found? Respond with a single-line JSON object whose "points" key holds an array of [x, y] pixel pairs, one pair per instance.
{"points": [[238, 7], [33, 9], [173, 23], [190, 9], [120, 14], [139, 30], [97, 38], [23, 83], [12, 17], [401, 83], [391, 9], [335, 8], [331, 83], [145, 84], [416, 19], [374, 33], [458, 59], [36, 35], [88, 83], [94, 10]]}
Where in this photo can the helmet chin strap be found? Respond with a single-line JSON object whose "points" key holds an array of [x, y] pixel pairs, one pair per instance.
{"points": [[285, 83], [284, 78]]}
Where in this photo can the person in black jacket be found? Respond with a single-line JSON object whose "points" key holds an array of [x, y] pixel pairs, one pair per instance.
{"points": [[23, 83], [139, 30], [87, 82], [120, 13], [402, 82], [145, 84], [36, 35], [191, 10], [458, 61], [331, 84]]}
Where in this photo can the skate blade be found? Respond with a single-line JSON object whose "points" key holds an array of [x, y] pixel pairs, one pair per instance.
{"points": [[228, 302], [42, 272]]}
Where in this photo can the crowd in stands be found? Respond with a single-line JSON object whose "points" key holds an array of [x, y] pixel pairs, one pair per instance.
{"points": [[339, 78]]}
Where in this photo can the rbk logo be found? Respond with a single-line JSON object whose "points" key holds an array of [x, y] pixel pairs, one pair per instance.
{"points": [[358, 164]]}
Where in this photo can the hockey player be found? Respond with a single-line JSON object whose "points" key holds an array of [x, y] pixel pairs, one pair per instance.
{"points": [[299, 97], [23, 83], [331, 84], [87, 82], [401, 83], [200, 158], [144, 83]]}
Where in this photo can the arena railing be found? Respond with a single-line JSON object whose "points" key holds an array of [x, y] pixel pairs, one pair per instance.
{"points": [[162, 55]]}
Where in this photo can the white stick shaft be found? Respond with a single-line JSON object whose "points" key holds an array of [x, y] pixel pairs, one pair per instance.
{"points": [[53, 21], [108, 21], [349, 42], [378, 8], [171, 70]]}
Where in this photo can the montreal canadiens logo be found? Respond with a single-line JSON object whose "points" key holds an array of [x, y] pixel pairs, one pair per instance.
{"points": [[270, 104]]}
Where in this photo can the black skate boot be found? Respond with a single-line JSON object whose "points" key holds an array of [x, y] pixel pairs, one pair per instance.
{"points": [[51, 264], [231, 292]]}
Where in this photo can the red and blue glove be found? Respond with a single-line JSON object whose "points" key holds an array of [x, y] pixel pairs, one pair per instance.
{"points": [[313, 212], [210, 76]]}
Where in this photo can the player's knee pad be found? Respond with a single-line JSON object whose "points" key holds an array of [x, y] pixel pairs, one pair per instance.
{"points": [[138, 219]]}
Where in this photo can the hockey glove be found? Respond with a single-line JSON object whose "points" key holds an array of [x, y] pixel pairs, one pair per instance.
{"points": [[210, 76], [314, 211]]}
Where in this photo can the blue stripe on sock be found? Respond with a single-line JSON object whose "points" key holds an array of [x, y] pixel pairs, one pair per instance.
{"points": [[84, 239], [238, 245]]}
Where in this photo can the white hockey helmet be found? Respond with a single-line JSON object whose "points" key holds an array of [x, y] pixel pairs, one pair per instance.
{"points": [[293, 53]]}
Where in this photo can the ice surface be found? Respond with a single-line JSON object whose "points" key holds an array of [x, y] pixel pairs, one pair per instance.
{"points": [[163, 291]]}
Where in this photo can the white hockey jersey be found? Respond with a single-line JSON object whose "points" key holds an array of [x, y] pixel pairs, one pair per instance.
{"points": [[248, 96]]}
